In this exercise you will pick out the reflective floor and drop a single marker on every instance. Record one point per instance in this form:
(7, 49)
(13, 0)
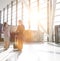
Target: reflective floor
(33, 52)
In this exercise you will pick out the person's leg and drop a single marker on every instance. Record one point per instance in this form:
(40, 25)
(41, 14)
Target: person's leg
(6, 44)
(20, 45)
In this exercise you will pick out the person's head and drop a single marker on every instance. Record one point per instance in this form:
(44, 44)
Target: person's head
(5, 24)
(20, 21)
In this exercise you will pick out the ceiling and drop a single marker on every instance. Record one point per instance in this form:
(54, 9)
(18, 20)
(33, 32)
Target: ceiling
(3, 3)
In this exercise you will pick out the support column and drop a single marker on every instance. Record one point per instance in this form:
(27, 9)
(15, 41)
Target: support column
(0, 25)
(51, 9)
(3, 14)
(29, 15)
(16, 11)
(48, 19)
(22, 11)
(11, 11)
(7, 13)
(0, 16)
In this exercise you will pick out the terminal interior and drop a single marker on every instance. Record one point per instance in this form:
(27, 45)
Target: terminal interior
(41, 19)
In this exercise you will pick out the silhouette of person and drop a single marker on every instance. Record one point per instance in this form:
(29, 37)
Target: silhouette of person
(20, 35)
(6, 32)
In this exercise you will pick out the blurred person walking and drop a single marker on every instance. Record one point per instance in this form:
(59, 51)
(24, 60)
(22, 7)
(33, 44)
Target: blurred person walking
(20, 35)
(6, 32)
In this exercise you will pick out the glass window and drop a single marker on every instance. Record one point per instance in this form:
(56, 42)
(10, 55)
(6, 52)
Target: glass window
(57, 18)
(9, 15)
(5, 20)
(2, 16)
(34, 15)
(26, 2)
(25, 17)
(43, 13)
(57, 14)
(58, 0)
(32, 1)
(58, 6)
(14, 2)
(34, 18)
(33, 4)
(43, 17)
(19, 12)
(19, 0)
(14, 15)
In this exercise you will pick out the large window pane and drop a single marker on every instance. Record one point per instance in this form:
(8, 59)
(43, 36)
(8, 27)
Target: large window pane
(43, 13)
(57, 14)
(32, 1)
(58, 0)
(56, 17)
(19, 12)
(34, 15)
(58, 6)
(9, 15)
(5, 20)
(34, 18)
(25, 17)
(2, 16)
(14, 15)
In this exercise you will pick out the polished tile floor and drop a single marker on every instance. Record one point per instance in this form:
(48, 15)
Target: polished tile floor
(33, 52)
